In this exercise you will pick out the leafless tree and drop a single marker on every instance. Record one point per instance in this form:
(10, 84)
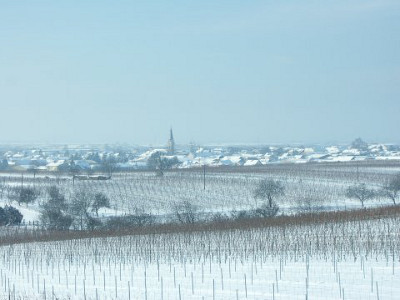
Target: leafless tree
(269, 189)
(25, 195)
(53, 212)
(159, 163)
(99, 200)
(81, 203)
(392, 189)
(360, 192)
(109, 165)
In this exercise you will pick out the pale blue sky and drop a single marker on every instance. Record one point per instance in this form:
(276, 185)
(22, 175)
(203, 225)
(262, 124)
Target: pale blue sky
(216, 71)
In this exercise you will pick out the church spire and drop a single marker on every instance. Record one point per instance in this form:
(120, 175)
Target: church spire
(171, 143)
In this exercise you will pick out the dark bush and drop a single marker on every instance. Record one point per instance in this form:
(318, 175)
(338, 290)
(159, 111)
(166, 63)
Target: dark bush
(130, 221)
(3, 217)
(266, 211)
(242, 214)
(14, 216)
(218, 217)
(185, 212)
(92, 223)
(56, 220)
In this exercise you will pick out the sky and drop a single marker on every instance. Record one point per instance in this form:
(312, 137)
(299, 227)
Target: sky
(226, 71)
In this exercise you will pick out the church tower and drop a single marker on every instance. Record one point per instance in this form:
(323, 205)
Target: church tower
(171, 143)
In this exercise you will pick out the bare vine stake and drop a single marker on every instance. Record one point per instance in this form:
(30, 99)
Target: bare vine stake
(145, 286)
(84, 289)
(306, 288)
(132, 273)
(202, 273)
(372, 280)
(393, 262)
(191, 275)
(116, 289)
(377, 291)
(222, 279)
(158, 271)
(245, 284)
(251, 273)
(213, 289)
(162, 289)
(273, 291)
(174, 279)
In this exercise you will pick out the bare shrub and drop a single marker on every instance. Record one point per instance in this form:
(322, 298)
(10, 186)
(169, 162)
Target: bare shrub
(185, 212)
(266, 211)
(138, 220)
(242, 214)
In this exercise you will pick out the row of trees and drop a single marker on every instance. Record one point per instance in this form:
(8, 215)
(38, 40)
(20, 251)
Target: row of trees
(83, 207)
(56, 213)
(269, 189)
(362, 193)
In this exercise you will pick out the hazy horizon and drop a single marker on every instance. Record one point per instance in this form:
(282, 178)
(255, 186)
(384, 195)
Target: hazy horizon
(217, 73)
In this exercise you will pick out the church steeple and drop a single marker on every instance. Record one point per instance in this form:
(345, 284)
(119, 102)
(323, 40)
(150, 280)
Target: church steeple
(171, 143)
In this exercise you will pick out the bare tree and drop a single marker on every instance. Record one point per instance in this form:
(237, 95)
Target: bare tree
(81, 203)
(269, 189)
(100, 200)
(26, 195)
(56, 198)
(159, 163)
(360, 192)
(308, 203)
(53, 212)
(109, 165)
(392, 189)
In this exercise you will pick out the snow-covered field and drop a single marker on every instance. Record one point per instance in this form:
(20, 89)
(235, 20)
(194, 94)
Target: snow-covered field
(333, 260)
(344, 260)
(307, 186)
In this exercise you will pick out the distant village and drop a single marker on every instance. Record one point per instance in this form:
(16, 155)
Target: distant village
(92, 159)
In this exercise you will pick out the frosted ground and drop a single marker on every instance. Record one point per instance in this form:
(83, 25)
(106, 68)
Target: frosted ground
(334, 260)
(307, 186)
(344, 260)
